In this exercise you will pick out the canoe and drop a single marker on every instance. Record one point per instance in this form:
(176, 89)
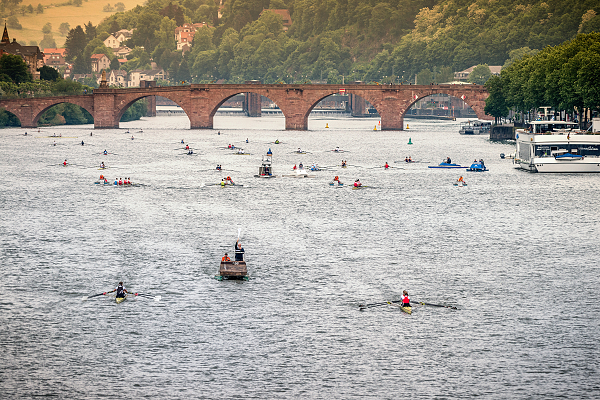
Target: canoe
(120, 299)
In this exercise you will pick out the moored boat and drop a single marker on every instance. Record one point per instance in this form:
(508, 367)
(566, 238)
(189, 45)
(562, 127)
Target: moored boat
(555, 146)
(475, 128)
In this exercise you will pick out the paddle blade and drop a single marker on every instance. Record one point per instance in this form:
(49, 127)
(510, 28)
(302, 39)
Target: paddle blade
(157, 298)
(239, 231)
(84, 298)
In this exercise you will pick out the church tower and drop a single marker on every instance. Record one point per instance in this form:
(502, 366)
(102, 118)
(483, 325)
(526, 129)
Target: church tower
(5, 38)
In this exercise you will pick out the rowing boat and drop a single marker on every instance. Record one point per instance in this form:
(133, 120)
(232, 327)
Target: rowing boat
(120, 299)
(407, 310)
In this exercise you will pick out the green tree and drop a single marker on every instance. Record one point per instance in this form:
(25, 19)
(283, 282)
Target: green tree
(120, 7)
(48, 42)
(480, 74)
(495, 104)
(424, 77)
(15, 68)
(48, 73)
(13, 23)
(64, 28)
(115, 64)
(30, 9)
(77, 3)
(47, 28)
(40, 9)
(75, 43)
(90, 31)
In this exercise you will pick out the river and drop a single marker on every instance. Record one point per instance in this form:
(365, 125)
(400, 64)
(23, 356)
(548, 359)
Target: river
(515, 252)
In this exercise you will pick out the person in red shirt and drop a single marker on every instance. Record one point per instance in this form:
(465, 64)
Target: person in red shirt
(120, 182)
(386, 166)
(405, 299)
(65, 163)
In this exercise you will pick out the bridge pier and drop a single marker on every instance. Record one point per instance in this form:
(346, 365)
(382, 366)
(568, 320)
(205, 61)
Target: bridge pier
(295, 122)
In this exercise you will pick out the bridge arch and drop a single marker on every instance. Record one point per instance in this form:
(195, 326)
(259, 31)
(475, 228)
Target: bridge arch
(42, 110)
(127, 101)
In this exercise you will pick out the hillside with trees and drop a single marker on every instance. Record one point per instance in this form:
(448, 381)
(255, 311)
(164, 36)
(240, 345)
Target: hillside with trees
(348, 40)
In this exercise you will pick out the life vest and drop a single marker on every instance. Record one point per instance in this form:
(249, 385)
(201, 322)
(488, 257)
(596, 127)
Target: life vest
(101, 176)
(225, 258)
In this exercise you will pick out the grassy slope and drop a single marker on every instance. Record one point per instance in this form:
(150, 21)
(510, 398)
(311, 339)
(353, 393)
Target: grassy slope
(90, 10)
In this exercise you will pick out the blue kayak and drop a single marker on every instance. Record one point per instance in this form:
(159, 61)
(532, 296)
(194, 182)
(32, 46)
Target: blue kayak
(445, 165)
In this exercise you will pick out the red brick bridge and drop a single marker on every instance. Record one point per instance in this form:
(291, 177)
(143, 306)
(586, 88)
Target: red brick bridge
(201, 101)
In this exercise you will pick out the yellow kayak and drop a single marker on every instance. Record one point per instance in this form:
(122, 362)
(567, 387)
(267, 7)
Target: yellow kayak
(120, 299)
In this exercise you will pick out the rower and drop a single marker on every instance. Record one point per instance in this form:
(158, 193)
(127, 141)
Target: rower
(187, 146)
(300, 166)
(299, 150)
(448, 160)
(406, 159)
(120, 291)
(101, 177)
(405, 299)
(102, 165)
(181, 141)
(386, 166)
(116, 182)
(218, 167)
(343, 164)
(120, 182)
(225, 258)
(65, 163)
(410, 159)
(294, 167)
(190, 151)
(357, 183)
(246, 140)
(131, 137)
(105, 181)
(82, 143)
(277, 141)
(269, 152)
(239, 251)
(105, 152)
(460, 179)
(337, 149)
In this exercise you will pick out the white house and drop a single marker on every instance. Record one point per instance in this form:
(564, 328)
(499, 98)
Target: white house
(117, 78)
(138, 75)
(112, 42)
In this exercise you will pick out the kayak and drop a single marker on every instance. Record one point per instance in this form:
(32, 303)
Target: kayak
(445, 165)
(120, 299)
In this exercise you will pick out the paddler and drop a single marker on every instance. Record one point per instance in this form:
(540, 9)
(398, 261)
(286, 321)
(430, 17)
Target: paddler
(225, 258)
(120, 291)
(239, 251)
(405, 299)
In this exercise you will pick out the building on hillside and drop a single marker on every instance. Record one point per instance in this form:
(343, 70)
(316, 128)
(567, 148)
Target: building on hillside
(185, 48)
(111, 42)
(138, 75)
(122, 61)
(285, 16)
(464, 75)
(55, 58)
(123, 35)
(32, 55)
(122, 51)
(117, 78)
(81, 77)
(100, 62)
(184, 34)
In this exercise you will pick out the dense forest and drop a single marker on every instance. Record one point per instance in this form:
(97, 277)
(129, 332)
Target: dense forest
(366, 40)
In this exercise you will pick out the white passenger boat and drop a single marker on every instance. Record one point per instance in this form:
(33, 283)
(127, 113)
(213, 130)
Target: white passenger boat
(475, 128)
(554, 146)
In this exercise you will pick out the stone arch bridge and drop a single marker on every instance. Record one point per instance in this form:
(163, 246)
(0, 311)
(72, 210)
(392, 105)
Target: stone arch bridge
(201, 101)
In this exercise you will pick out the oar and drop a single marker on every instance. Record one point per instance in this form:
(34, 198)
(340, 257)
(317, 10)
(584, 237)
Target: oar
(363, 306)
(436, 305)
(95, 295)
(156, 298)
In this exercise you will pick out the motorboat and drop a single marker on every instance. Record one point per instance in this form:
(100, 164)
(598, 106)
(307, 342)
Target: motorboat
(265, 170)
(556, 146)
(475, 128)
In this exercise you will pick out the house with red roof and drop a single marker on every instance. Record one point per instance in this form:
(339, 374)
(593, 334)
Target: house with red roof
(100, 62)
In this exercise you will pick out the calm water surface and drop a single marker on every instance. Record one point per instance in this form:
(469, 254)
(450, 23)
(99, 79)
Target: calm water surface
(515, 252)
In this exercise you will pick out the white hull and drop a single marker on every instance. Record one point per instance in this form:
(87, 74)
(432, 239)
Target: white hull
(550, 164)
